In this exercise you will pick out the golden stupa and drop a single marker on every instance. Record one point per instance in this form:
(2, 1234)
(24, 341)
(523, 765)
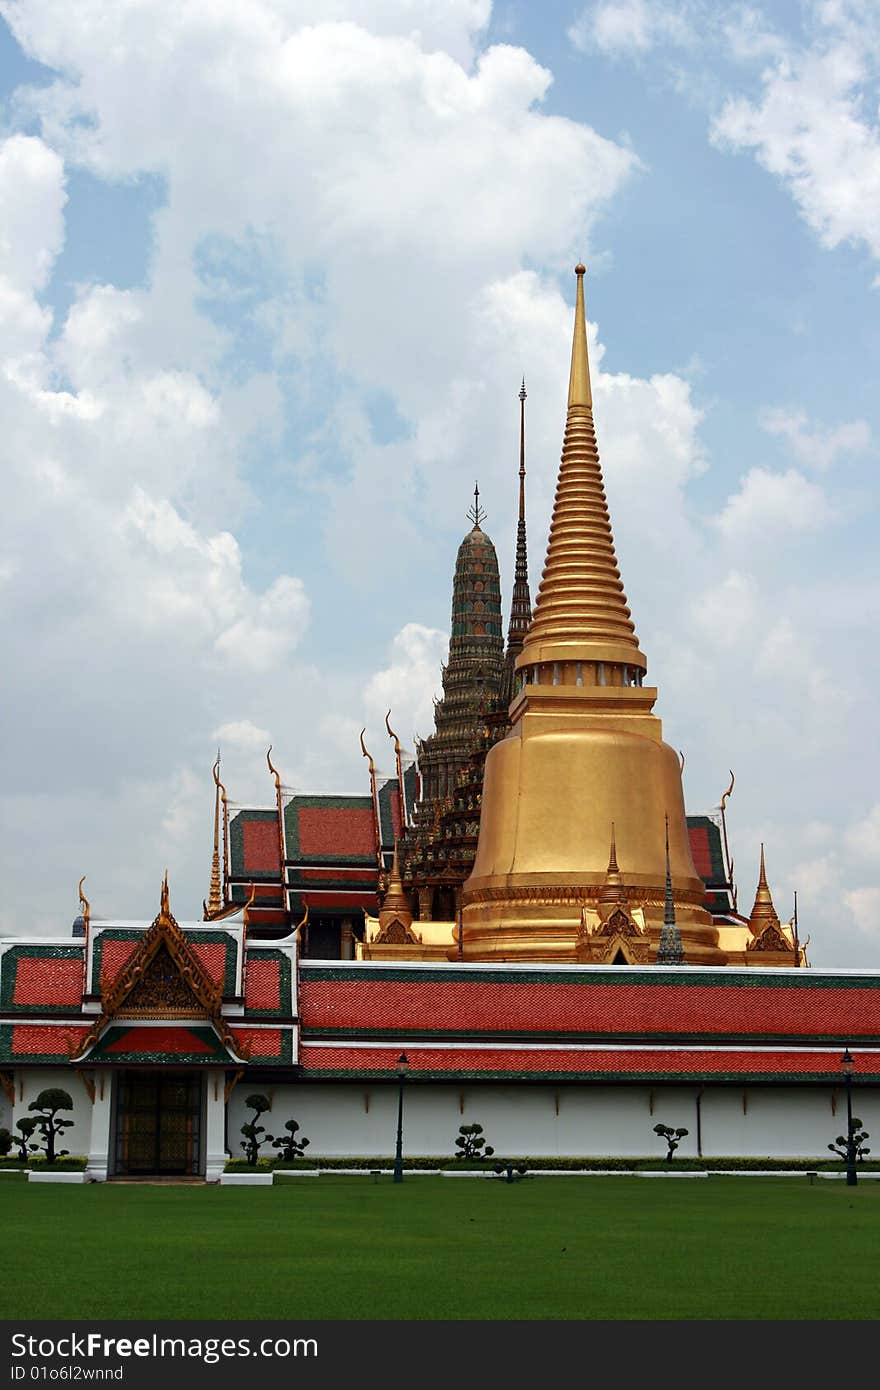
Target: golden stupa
(583, 851)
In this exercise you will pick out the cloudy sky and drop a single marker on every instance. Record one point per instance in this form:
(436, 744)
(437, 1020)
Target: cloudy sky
(270, 275)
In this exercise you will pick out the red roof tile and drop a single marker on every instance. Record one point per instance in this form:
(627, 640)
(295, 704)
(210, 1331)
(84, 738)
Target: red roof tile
(259, 1042)
(587, 1062)
(484, 1006)
(33, 1040)
(52, 980)
(263, 984)
(336, 830)
(260, 843)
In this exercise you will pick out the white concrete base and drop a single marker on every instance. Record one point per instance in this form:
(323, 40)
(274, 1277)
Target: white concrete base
(35, 1176)
(246, 1179)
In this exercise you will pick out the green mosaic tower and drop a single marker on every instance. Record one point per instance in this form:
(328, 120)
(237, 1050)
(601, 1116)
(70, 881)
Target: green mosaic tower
(473, 675)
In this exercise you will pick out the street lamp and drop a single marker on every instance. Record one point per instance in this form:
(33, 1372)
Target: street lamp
(847, 1066)
(402, 1070)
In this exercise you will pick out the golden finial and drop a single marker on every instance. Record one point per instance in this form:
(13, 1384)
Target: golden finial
(304, 923)
(246, 910)
(164, 897)
(224, 804)
(273, 770)
(215, 898)
(579, 389)
(727, 859)
(85, 906)
(612, 892)
(763, 910)
(401, 789)
(367, 755)
(375, 799)
(395, 904)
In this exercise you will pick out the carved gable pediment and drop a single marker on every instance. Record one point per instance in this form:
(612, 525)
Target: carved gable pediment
(396, 933)
(772, 938)
(161, 991)
(619, 924)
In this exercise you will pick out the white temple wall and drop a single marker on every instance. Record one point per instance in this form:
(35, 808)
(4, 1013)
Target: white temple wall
(31, 1081)
(361, 1120)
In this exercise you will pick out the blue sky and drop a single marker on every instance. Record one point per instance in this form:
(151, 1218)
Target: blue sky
(269, 278)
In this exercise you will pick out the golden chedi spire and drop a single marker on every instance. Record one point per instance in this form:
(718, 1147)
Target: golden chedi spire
(395, 904)
(763, 912)
(581, 611)
(585, 749)
(612, 892)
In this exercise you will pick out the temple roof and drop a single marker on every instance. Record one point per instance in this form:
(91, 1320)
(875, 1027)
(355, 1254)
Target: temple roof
(372, 1000)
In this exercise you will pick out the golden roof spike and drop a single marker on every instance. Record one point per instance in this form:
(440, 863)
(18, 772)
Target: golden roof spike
(164, 897)
(581, 613)
(374, 796)
(763, 910)
(395, 904)
(579, 389)
(612, 891)
(403, 813)
(225, 805)
(85, 906)
(215, 897)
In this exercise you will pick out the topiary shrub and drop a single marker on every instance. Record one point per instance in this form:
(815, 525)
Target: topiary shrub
(26, 1127)
(48, 1120)
(470, 1143)
(290, 1146)
(6, 1142)
(252, 1141)
(860, 1148)
(673, 1138)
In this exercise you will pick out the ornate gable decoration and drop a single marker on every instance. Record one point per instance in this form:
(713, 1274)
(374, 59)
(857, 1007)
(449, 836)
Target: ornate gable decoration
(772, 938)
(163, 978)
(397, 933)
(618, 935)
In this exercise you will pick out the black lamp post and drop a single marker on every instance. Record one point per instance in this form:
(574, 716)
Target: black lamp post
(847, 1066)
(402, 1070)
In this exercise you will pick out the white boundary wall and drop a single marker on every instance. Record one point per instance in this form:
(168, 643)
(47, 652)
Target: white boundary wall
(341, 1119)
(360, 1120)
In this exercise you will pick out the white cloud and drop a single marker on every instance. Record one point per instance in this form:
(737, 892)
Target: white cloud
(863, 838)
(864, 904)
(408, 684)
(817, 448)
(241, 733)
(814, 127)
(630, 27)
(773, 505)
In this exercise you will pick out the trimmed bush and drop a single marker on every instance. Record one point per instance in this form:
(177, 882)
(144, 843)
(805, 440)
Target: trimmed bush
(254, 1133)
(470, 1143)
(6, 1142)
(49, 1121)
(72, 1163)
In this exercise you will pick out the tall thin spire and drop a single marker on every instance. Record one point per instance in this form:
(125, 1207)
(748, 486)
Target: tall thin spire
(215, 897)
(670, 950)
(521, 603)
(763, 911)
(581, 613)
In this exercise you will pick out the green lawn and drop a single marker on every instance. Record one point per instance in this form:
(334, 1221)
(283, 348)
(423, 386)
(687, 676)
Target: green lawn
(346, 1247)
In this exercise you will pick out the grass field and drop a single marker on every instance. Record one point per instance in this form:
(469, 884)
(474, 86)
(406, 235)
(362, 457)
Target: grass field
(347, 1247)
